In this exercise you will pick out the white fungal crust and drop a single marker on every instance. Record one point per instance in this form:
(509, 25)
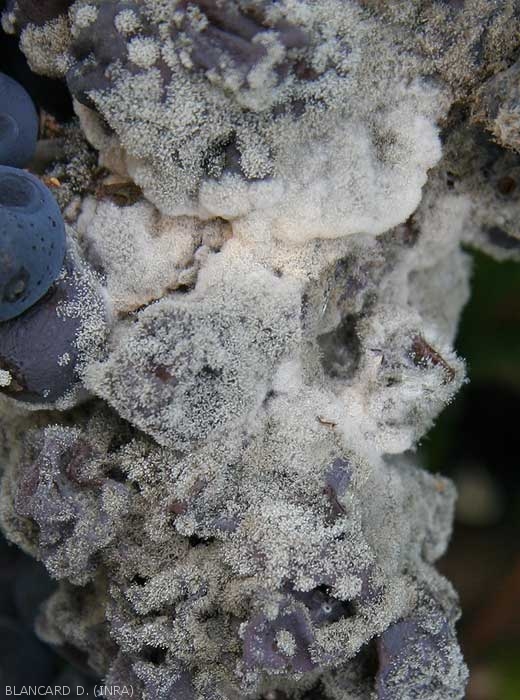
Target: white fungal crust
(147, 254)
(191, 365)
(268, 218)
(46, 47)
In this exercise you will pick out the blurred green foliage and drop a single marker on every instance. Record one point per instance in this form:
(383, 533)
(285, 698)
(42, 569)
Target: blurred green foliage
(481, 423)
(506, 667)
(489, 333)
(489, 340)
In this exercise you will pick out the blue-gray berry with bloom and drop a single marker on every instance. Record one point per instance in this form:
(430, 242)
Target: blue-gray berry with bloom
(32, 241)
(18, 124)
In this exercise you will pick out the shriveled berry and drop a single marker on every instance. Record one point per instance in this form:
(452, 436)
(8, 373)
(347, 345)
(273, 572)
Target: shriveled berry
(411, 656)
(18, 123)
(32, 241)
(228, 38)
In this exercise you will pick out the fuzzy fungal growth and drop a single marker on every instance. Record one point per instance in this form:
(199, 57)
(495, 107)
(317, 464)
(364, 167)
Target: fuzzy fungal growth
(210, 412)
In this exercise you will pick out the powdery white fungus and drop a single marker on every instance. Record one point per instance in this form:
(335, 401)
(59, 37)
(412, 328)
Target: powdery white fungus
(46, 47)
(127, 22)
(5, 378)
(85, 16)
(146, 254)
(143, 52)
(351, 178)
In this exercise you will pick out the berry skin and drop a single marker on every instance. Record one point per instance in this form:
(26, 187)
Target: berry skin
(36, 11)
(260, 649)
(18, 124)
(38, 348)
(414, 658)
(32, 241)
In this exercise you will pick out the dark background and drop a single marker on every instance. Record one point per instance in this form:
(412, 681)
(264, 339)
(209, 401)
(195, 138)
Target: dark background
(476, 442)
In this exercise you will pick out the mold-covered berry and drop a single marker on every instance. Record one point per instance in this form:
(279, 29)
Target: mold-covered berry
(32, 241)
(18, 123)
(231, 36)
(102, 41)
(53, 494)
(419, 653)
(259, 528)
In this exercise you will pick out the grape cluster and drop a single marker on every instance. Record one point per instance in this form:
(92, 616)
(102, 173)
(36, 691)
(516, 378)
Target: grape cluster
(39, 276)
(32, 232)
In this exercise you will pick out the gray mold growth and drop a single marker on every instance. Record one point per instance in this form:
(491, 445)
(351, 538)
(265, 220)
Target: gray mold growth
(268, 202)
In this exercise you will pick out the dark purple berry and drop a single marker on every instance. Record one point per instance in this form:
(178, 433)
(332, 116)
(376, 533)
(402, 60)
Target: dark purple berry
(263, 648)
(415, 660)
(37, 11)
(32, 241)
(18, 124)
(39, 349)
